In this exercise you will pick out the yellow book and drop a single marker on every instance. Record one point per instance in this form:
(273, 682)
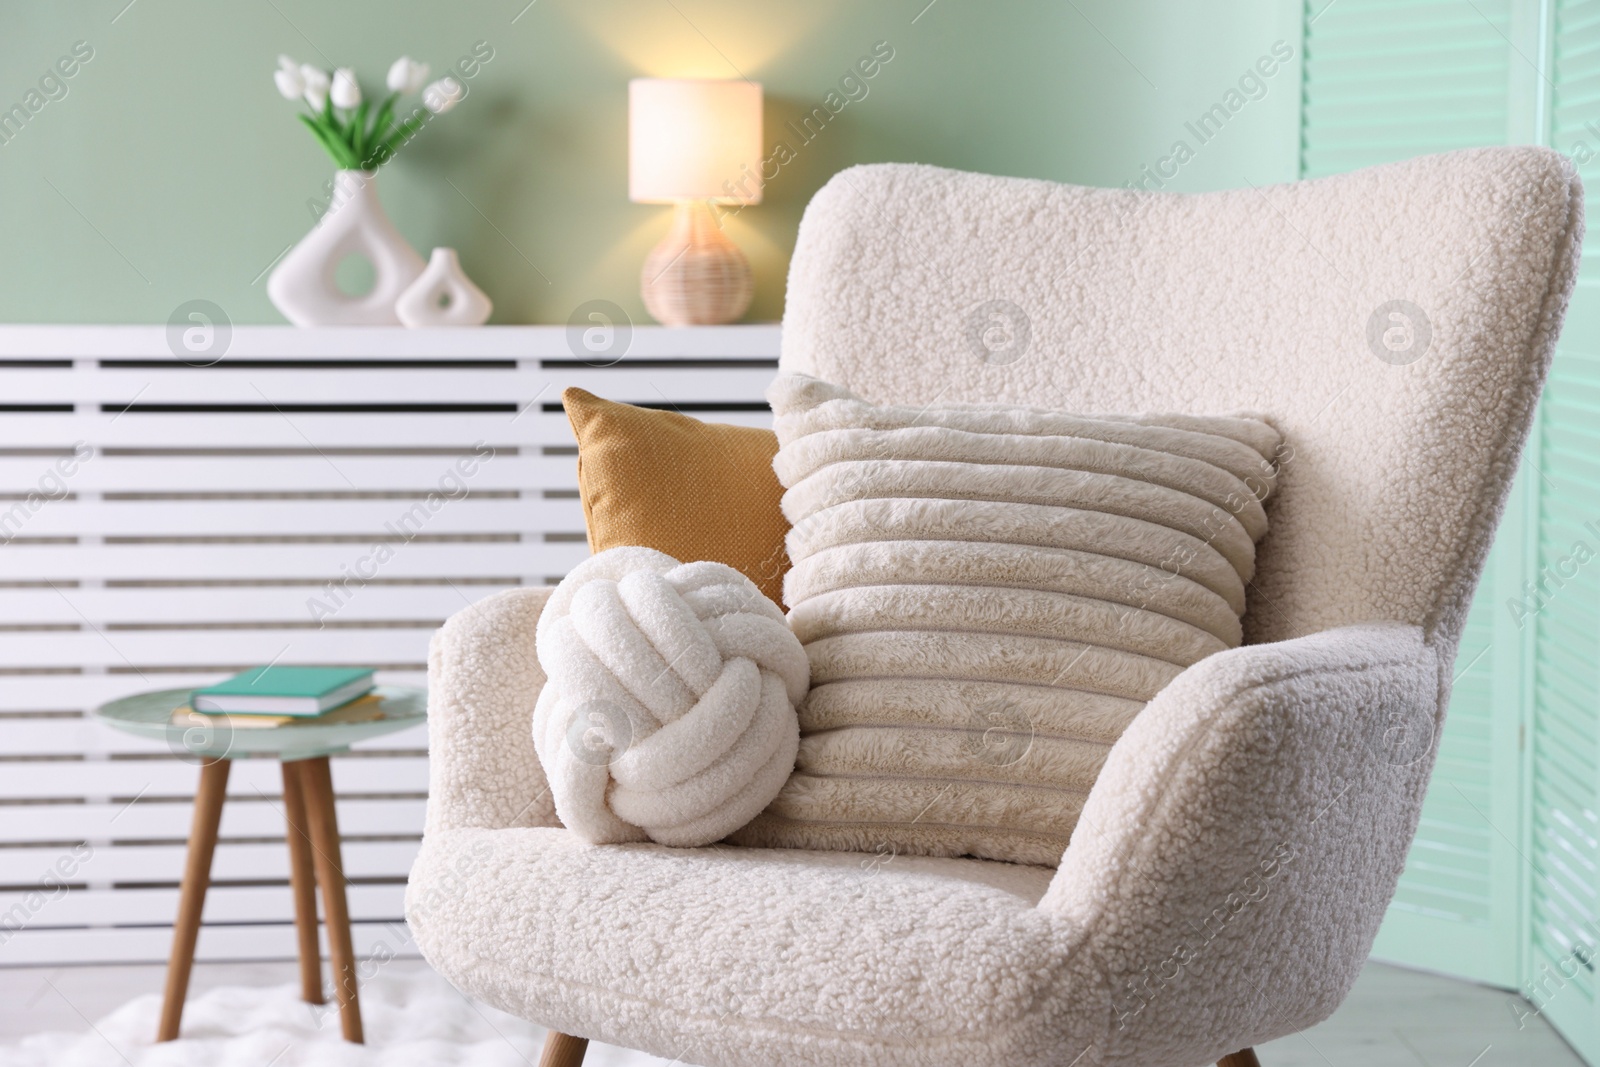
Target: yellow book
(362, 709)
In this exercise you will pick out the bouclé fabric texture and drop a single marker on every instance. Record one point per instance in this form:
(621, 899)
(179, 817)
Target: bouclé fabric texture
(1233, 861)
(668, 713)
(988, 594)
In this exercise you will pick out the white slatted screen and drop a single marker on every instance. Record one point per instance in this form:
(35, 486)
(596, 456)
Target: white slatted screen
(164, 525)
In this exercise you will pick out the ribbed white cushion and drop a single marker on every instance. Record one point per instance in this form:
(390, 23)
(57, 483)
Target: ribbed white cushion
(988, 594)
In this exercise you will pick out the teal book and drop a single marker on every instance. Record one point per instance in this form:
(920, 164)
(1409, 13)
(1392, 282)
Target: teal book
(284, 690)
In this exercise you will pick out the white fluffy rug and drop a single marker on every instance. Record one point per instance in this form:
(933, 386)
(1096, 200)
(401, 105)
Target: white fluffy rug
(412, 1020)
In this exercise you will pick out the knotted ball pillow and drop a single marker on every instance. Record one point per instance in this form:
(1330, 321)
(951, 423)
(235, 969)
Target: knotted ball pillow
(669, 713)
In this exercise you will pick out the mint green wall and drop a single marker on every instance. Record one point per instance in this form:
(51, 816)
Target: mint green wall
(172, 170)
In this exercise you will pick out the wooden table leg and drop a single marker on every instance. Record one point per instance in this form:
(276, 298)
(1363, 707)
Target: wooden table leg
(303, 883)
(192, 898)
(317, 783)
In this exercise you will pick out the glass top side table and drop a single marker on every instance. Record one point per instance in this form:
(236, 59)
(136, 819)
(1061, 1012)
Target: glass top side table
(312, 828)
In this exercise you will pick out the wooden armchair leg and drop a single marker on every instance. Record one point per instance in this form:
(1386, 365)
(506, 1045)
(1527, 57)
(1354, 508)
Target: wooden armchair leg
(563, 1050)
(1242, 1058)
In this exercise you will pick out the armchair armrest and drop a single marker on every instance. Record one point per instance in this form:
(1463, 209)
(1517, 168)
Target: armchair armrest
(1236, 856)
(483, 680)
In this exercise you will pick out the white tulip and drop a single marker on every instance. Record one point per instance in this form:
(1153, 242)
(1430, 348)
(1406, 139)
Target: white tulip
(443, 95)
(288, 63)
(290, 84)
(407, 75)
(346, 93)
(316, 83)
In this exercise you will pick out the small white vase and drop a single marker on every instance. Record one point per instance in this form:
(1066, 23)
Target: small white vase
(303, 287)
(443, 295)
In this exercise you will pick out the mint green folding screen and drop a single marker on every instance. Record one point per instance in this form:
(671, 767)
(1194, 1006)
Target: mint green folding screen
(1503, 882)
(1562, 791)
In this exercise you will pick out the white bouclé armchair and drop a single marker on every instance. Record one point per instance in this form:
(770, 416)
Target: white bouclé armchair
(1233, 862)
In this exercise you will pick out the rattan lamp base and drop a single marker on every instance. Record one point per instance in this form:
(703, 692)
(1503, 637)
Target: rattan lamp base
(696, 276)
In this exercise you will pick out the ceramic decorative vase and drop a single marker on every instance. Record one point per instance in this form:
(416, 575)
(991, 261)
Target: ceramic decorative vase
(302, 286)
(443, 295)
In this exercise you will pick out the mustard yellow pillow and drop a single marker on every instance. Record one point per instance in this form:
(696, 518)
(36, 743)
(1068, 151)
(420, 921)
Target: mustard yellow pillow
(694, 490)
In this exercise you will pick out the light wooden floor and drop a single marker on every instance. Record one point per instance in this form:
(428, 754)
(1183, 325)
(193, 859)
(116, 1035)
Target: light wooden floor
(1394, 1018)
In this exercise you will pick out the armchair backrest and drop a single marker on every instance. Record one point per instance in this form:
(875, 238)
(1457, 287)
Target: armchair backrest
(1396, 324)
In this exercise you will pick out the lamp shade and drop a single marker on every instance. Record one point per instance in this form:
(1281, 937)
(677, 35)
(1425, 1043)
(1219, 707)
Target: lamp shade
(694, 139)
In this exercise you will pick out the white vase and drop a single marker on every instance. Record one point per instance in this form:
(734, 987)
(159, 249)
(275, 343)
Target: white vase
(303, 287)
(443, 295)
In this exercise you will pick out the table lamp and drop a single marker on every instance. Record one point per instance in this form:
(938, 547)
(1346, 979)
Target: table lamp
(694, 142)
